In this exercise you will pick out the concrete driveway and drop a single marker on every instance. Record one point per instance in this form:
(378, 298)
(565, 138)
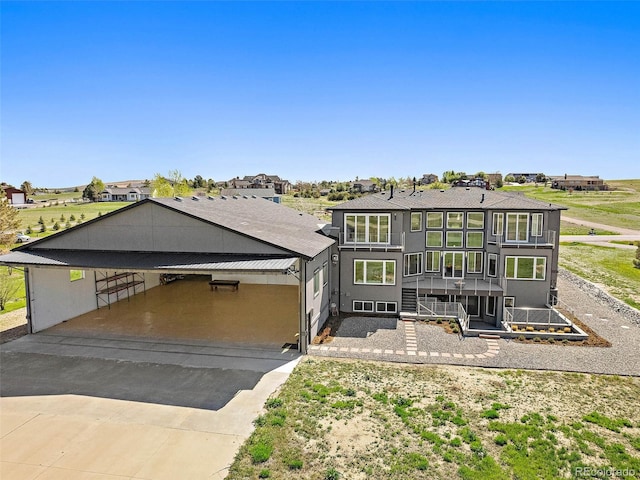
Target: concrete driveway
(107, 408)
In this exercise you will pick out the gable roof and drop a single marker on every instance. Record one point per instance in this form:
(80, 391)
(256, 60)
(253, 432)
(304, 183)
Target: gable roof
(432, 199)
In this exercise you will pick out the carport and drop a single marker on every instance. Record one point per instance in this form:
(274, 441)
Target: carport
(85, 281)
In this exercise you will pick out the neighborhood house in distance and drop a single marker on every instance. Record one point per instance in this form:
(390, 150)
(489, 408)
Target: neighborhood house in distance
(480, 256)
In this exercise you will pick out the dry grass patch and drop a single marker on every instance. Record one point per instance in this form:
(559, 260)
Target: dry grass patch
(359, 420)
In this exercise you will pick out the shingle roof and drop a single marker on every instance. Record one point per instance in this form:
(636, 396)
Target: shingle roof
(474, 198)
(258, 218)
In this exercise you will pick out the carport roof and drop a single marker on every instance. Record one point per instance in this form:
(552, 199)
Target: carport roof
(163, 261)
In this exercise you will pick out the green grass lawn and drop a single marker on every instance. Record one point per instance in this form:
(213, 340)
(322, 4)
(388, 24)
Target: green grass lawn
(354, 419)
(618, 208)
(610, 267)
(13, 282)
(567, 228)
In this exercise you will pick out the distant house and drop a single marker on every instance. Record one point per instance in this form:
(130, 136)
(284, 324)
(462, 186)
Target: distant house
(473, 182)
(528, 177)
(262, 180)
(578, 182)
(494, 178)
(124, 194)
(428, 179)
(266, 193)
(15, 196)
(364, 186)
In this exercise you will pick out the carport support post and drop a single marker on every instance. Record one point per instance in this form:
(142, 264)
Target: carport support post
(304, 323)
(28, 299)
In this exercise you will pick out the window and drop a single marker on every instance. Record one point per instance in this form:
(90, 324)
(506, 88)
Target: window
(316, 282)
(367, 228)
(474, 262)
(416, 221)
(362, 306)
(434, 239)
(374, 272)
(475, 220)
(497, 227)
(525, 268)
(433, 262)
(76, 275)
(434, 220)
(454, 239)
(517, 227)
(325, 273)
(455, 219)
(412, 264)
(386, 307)
(509, 302)
(536, 224)
(475, 239)
(492, 269)
(453, 264)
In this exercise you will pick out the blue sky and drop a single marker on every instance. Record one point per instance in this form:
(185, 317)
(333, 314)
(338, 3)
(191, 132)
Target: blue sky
(311, 91)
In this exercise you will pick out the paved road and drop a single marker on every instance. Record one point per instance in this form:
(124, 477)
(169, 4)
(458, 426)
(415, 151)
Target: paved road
(625, 235)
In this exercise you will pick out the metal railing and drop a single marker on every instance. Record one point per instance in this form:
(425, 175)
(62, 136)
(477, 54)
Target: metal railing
(548, 238)
(395, 241)
(444, 309)
(491, 284)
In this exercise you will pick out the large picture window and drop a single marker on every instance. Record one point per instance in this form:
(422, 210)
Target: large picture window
(475, 220)
(367, 228)
(453, 264)
(517, 227)
(525, 268)
(474, 262)
(455, 220)
(374, 272)
(416, 221)
(432, 263)
(434, 220)
(434, 239)
(412, 264)
(454, 239)
(475, 239)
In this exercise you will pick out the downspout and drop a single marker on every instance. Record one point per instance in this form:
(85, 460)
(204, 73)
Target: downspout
(304, 321)
(27, 288)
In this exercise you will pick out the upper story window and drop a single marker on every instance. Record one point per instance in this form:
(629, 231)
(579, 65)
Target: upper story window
(371, 228)
(517, 227)
(455, 220)
(525, 268)
(374, 272)
(497, 227)
(412, 264)
(434, 239)
(434, 220)
(475, 220)
(536, 224)
(416, 221)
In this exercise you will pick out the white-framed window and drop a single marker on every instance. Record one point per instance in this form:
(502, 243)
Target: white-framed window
(509, 302)
(517, 227)
(474, 262)
(525, 268)
(536, 224)
(475, 239)
(492, 265)
(475, 220)
(497, 227)
(432, 263)
(362, 306)
(367, 228)
(374, 272)
(386, 307)
(75, 275)
(454, 239)
(453, 265)
(455, 220)
(434, 220)
(491, 306)
(325, 273)
(434, 239)
(416, 221)
(412, 264)
(316, 282)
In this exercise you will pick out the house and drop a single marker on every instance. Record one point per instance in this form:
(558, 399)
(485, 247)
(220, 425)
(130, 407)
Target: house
(472, 182)
(113, 193)
(528, 177)
(578, 182)
(364, 186)
(280, 186)
(274, 259)
(428, 179)
(480, 249)
(495, 179)
(266, 193)
(15, 196)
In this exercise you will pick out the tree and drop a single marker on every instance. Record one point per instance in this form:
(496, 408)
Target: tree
(9, 221)
(99, 184)
(27, 187)
(174, 185)
(541, 178)
(8, 289)
(636, 261)
(93, 190)
(509, 179)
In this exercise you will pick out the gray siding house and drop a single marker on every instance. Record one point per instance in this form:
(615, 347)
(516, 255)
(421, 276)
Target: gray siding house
(482, 249)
